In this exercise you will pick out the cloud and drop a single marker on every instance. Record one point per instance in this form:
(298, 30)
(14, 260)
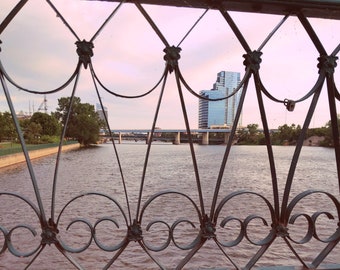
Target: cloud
(39, 51)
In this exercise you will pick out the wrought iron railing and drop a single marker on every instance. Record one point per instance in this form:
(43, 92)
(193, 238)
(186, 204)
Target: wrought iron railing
(206, 221)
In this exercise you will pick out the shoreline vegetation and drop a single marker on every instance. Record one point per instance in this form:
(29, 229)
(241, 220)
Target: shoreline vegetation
(12, 156)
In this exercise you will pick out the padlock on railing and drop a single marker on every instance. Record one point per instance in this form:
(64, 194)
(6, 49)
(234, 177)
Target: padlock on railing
(290, 104)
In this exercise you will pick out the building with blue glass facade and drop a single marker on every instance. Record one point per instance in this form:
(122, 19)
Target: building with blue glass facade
(102, 113)
(220, 113)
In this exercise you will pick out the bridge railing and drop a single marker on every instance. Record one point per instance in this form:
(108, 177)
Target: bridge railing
(206, 220)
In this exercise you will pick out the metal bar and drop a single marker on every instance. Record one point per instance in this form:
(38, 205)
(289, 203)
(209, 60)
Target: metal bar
(146, 160)
(11, 15)
(107, 20)
(269, 146)
(334, 122)
(228, 148)
(152, 24)
(113, 144)
(42, 216)
(63, 19)
(62, 136)
(296, 155)
(236, 31)
(312, 34)
(272, 33)
(205, 12)
(191, 144)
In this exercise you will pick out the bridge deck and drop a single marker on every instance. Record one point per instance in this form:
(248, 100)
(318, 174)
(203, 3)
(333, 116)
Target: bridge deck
(329, 9)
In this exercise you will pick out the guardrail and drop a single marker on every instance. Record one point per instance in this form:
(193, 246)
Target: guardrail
(209, 223)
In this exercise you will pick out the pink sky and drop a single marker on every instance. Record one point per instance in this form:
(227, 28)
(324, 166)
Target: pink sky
(38, 51)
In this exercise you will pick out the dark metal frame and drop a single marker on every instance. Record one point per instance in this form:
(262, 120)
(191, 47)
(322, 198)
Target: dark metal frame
(281, 215)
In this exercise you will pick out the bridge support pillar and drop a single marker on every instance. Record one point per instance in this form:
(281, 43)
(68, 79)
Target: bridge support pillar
(119, 137)
(226, 137)
(205, 138)
(177, 140)
(148, 137)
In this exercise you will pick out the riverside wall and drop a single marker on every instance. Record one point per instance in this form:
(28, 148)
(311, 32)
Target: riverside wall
(13, 159)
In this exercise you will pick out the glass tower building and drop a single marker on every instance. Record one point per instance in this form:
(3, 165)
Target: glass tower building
(220, 113)
(101, 112)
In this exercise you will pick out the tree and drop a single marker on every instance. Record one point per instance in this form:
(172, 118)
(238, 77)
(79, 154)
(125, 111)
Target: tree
(84, 122)
(7, 129)
(251, 135)
(329, 141)
(49, 124)
(286, 134)
(33, 133)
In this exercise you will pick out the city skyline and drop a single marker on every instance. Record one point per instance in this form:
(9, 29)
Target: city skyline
(38, 52)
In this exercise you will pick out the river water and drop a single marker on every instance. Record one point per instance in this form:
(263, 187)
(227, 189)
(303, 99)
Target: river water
(169, 168)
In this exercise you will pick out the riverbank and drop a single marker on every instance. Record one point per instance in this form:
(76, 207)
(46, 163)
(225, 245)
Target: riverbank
(17, 158)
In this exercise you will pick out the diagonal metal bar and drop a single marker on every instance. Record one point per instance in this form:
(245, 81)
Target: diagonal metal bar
(272, 33)
(295, 253)
(192, 252)
(63, 19)
(117, 254)
(62, 136)
(296, 154)
(320, 258)
(336, 50)
(107, 20)
(312, 34)
(334, 122)
(225, 254)
(35, 257)
(268, 145)
(42, 216)
(146, 160)
(191, 144)
(11, 15)
(113, 144)
(228, 148)
(69, 257)
(257, 256)
(235, 29)
(205, 12)
(152, 257)
(152, 24)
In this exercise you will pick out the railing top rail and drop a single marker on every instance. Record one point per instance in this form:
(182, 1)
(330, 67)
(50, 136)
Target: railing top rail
(328, 9)
(169, 130)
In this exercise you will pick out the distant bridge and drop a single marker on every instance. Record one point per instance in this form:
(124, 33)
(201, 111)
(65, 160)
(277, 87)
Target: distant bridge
(177, 133)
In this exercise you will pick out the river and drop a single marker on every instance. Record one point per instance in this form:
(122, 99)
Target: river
(169, 168)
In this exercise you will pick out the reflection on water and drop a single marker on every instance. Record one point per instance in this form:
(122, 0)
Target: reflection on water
(169, 168)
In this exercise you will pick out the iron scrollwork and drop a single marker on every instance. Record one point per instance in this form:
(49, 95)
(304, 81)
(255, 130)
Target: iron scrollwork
(154, 232)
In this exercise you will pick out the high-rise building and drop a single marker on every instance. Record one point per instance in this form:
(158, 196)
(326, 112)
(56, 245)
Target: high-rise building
(101, 113)
(220, 113)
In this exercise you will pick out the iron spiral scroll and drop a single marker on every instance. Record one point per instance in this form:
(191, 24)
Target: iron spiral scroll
(193, 226)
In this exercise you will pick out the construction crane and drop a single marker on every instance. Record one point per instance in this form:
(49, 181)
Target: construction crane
(43, 105)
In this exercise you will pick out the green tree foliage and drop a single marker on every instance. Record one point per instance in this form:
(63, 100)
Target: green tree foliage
(7, 129)
(84, 123)
(329, 141)
(251, 135)
(286, 134)
(32, 133)
(40, 128)
(49, 124)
